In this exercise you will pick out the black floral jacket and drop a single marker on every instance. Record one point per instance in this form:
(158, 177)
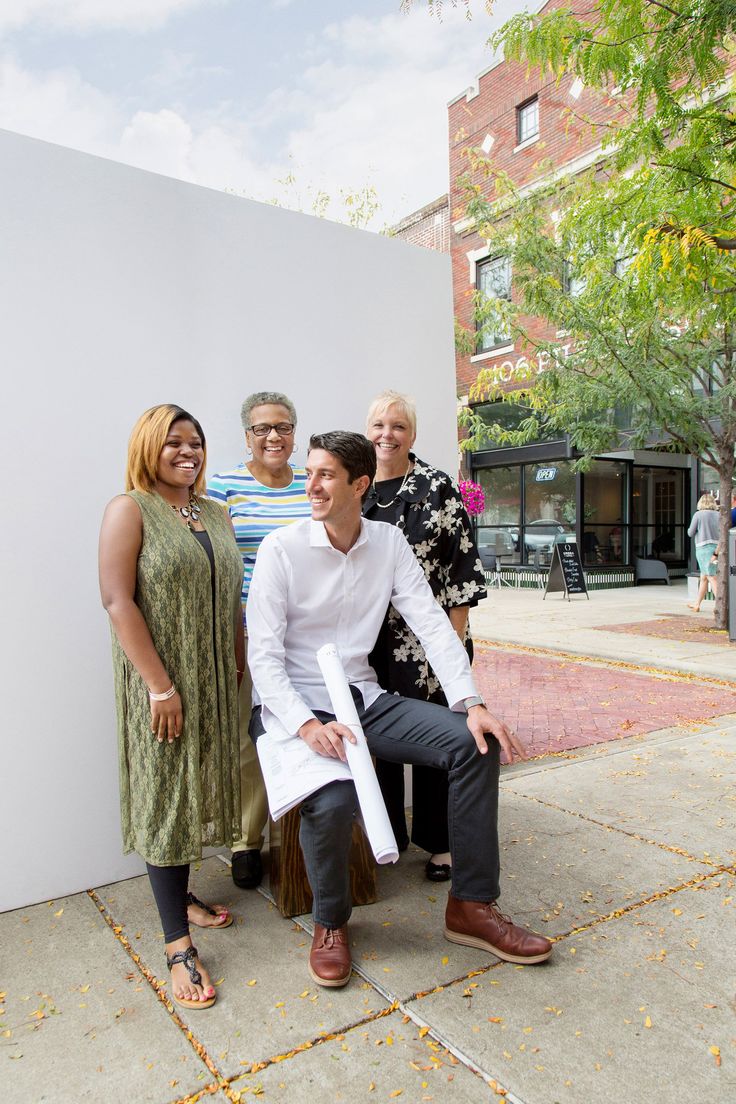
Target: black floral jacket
(430, 513)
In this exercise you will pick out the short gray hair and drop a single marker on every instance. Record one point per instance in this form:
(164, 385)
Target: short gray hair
(262, 398)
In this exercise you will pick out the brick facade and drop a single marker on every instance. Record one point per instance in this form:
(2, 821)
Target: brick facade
(565, 144)
(428, 227)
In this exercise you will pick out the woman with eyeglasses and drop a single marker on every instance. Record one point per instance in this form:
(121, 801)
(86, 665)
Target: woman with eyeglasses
(263, 493)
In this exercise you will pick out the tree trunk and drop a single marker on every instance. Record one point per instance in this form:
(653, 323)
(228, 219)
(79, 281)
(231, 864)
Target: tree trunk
(725, 473)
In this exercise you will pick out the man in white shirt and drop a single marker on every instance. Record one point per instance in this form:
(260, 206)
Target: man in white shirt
(330, 580)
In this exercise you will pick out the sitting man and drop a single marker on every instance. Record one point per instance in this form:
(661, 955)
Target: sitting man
(329, 579)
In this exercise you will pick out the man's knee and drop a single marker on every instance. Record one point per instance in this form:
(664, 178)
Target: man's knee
(333, 805)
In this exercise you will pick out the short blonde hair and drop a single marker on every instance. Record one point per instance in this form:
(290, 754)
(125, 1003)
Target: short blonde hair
(148, 439)
(382, 402)
(707, 502)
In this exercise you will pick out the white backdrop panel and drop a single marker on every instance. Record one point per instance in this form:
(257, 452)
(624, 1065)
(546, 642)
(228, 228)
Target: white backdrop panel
(120, 289)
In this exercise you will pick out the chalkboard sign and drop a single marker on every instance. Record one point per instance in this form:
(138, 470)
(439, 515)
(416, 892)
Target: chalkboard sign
(566, 572)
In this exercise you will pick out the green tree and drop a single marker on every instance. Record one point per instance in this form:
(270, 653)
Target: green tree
(636, 259)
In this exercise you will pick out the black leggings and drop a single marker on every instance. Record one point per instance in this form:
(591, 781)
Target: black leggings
(169, 885)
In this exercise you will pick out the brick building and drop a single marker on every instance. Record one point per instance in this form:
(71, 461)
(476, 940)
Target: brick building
(630, 505)
(428, 227)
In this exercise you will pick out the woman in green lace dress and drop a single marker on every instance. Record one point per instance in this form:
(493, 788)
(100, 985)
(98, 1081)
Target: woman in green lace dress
(170, 577)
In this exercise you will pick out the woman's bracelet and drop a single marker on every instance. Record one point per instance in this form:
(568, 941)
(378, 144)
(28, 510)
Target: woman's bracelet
(163, 697)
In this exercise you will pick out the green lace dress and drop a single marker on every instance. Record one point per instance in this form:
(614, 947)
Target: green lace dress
(177, 798)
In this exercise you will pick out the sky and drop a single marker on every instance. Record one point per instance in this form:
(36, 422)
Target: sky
(271, 99)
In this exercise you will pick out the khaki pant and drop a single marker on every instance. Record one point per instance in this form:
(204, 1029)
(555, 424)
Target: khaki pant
(254, 803)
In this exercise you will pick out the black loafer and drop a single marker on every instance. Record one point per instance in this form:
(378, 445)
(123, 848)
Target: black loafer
(247, 869)
(438, 872)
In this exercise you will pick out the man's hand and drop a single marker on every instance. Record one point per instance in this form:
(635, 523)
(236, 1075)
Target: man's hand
(481, 721)
(327, 739)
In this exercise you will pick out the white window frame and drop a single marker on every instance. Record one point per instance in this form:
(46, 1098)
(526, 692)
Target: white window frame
(501, 340)
(524, 136)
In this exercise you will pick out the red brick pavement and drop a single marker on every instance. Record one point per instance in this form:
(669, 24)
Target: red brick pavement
(556, 705)
(698, 629)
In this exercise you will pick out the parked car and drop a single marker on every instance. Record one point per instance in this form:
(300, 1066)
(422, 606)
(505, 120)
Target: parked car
(502, 542)
(541, 535)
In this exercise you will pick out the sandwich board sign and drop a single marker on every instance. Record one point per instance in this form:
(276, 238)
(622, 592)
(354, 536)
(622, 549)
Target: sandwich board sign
(566, 572)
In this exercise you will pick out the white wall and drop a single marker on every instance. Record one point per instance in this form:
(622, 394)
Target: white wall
(120, 289)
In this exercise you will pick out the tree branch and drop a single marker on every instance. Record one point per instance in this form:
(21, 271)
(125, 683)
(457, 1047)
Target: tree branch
(693, 172)
(720, 242)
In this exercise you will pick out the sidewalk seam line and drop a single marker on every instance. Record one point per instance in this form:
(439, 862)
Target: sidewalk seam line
(660, 895)
(198, 1047)
(667, 674)
(396, 1004)
(614, 828)
(617, 745)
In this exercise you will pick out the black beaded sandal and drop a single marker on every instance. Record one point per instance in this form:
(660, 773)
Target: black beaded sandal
(192, 900)
(187, 958)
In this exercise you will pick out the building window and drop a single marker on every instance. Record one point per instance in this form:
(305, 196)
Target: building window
(493, 281)
(605, 513)
(527, 120)
(658, 514)
(509, 416)
(573, 283)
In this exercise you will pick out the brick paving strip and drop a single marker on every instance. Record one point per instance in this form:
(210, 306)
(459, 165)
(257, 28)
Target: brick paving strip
(557, 704)
(686, 629)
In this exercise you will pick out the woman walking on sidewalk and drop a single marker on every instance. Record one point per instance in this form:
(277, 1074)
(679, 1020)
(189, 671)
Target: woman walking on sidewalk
(704, 527)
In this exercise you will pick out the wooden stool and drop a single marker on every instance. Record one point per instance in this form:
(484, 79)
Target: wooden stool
(288, 876)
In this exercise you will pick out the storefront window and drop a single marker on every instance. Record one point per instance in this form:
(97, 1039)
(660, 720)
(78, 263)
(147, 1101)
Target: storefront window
(498, 525)
(605, 521)
(658, 520)
(549, 508)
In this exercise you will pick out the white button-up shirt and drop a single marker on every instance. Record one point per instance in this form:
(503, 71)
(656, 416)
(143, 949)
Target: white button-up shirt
(305, 593)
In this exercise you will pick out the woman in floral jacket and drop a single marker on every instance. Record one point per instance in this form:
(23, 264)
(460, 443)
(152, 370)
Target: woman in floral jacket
(426, 505)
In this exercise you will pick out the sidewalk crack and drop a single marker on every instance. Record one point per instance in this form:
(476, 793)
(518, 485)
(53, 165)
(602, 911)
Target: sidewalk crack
(614, 828)
(220, 1082)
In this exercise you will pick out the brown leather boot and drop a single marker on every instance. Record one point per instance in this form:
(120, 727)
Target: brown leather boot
(474, 924)
(329, 959)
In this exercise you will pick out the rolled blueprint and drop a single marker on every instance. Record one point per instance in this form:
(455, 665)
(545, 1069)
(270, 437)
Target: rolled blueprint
(373, 810)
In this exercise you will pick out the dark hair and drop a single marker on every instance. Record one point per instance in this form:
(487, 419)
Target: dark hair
(185, 416)
(354, 451)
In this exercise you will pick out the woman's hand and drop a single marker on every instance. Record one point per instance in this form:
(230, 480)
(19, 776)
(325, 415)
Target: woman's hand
(167, 719)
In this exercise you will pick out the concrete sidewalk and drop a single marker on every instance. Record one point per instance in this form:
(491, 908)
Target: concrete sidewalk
(623, 854)
(522, 617)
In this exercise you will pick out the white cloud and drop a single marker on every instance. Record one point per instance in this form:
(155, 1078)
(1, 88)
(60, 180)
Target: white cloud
(369, 109)
(139, 15)
(57, 106)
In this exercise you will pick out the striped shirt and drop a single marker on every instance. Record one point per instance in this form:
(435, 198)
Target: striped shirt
(257, 510)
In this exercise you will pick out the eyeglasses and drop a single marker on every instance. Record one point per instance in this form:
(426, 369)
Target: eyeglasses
(282, 428)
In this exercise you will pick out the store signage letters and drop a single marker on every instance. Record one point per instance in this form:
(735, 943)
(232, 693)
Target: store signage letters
(545, 475)
(513, 371)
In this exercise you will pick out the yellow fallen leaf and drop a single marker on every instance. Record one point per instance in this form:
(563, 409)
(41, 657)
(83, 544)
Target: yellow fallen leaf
(648, 1022)
(59, 912)
(396, 1092)
(677, 912)
(445, 960)
(253, 982)
(84, 989)
(423, 1031)
(372, 1087)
